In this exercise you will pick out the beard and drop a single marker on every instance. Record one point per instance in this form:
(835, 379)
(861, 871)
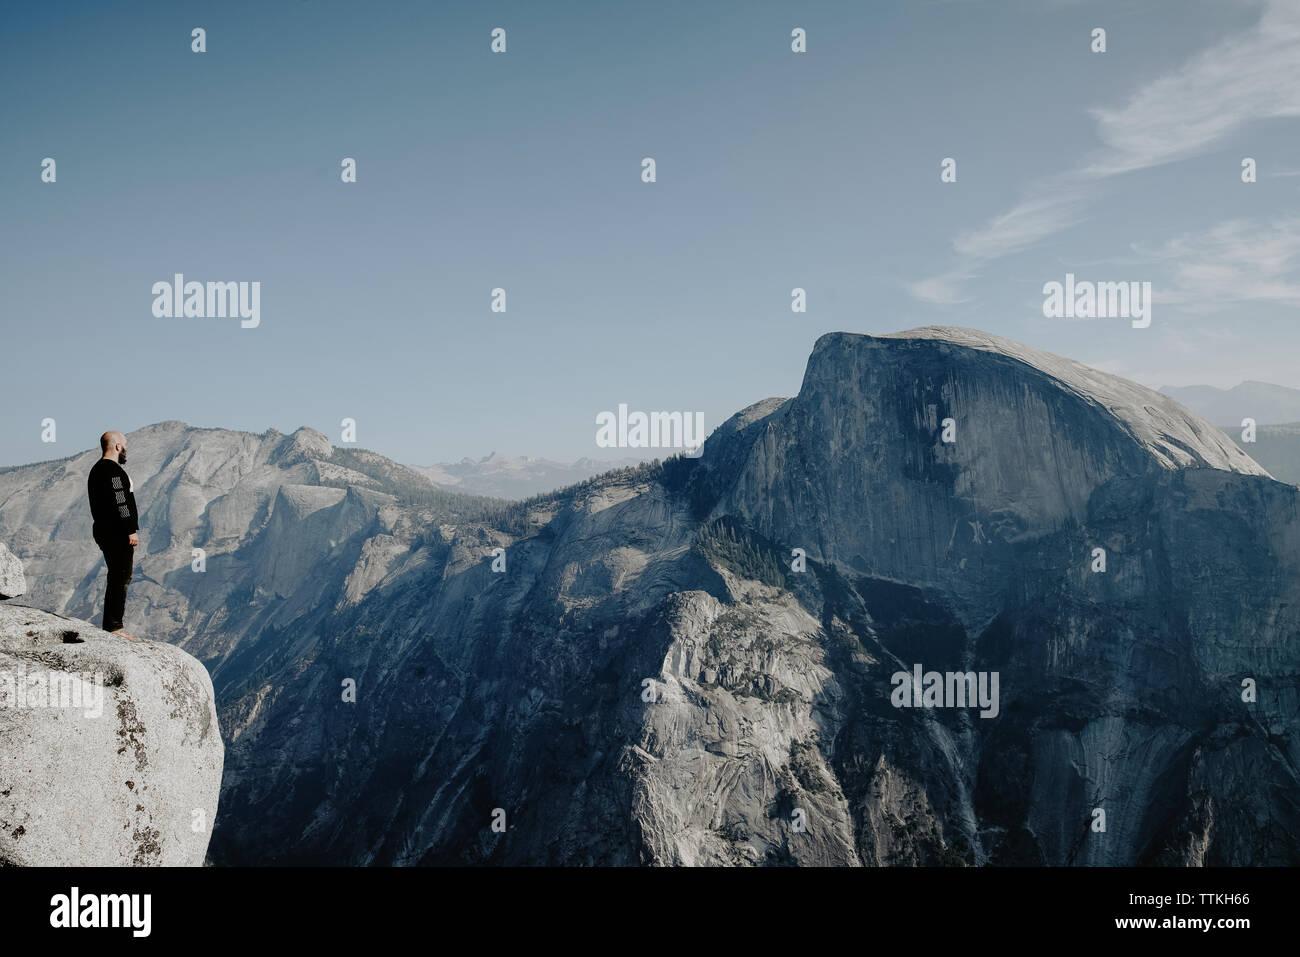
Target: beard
(121, 458)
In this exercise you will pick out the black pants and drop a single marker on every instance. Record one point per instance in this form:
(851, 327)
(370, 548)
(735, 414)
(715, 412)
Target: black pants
(119, 556)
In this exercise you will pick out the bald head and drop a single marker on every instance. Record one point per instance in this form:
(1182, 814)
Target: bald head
(113, 445)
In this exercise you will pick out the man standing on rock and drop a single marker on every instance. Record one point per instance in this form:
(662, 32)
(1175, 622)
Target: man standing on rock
(112, 506)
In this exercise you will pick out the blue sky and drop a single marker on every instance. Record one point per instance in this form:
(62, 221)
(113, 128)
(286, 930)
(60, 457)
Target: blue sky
(522, 170)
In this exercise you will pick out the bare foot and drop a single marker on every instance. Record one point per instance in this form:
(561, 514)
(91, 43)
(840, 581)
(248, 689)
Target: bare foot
(123, 633)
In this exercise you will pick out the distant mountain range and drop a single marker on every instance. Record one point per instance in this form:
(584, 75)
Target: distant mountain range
(1275, 409)
(508, 477)
(1265, 403)
(1276, 447)
(699, 661)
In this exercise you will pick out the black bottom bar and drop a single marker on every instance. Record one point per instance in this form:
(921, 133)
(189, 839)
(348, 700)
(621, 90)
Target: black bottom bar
(332, 906)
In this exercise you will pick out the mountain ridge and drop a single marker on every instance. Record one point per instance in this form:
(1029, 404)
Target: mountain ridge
(1265, 402)
(525, 689)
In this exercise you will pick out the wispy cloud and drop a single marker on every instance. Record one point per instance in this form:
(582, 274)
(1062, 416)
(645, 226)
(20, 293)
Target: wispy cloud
(944, 290)
(1235, 262)
(1245, 78)
(1051, 207)
(1240, 80)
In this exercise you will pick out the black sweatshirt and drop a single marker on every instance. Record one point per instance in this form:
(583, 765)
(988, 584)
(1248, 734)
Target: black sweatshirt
(112, 504)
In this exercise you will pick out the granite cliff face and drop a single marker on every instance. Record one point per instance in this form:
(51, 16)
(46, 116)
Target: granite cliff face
(654, 677)
(110, 753)
(856, 471)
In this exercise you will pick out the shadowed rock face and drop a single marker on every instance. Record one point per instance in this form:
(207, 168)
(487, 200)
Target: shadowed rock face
(855, 471)
(110, 754)
(649, 681)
